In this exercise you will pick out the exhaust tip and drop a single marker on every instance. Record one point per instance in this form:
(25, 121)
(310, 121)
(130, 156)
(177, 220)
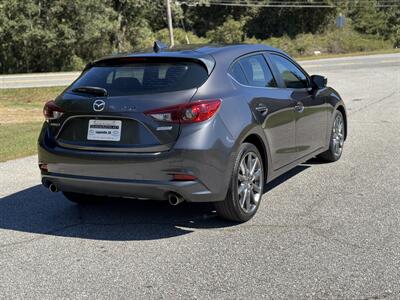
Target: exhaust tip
(53, 188)
(175, 199)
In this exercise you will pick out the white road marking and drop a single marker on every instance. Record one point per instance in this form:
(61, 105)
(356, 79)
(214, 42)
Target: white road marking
(347, 64)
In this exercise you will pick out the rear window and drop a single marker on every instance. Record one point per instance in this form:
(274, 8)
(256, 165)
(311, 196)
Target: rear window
(144, 78)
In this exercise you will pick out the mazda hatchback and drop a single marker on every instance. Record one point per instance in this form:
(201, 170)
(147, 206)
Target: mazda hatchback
(209, 124)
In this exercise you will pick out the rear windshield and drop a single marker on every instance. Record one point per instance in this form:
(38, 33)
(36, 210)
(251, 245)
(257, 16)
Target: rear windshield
(144, 78)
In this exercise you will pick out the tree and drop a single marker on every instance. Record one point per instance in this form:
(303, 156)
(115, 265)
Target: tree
(42, 36)
(276, 22)
(228, 33)
(202, 18)
(366, 18)
(54, 35)
(393, 25)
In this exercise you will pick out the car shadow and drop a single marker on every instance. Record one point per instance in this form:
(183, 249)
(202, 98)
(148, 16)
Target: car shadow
(315, 161)
(36, 210)
(281, 179)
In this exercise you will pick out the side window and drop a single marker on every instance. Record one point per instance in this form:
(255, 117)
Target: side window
(237, 73)
(257, 71)
(291, 75)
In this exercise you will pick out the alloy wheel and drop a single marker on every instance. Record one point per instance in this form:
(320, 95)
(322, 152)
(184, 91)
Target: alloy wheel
(338, 135)
(249, 182)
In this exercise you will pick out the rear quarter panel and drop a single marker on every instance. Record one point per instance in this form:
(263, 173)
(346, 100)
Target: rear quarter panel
(236, 118)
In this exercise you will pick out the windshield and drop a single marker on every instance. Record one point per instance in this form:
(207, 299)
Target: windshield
(143, 78)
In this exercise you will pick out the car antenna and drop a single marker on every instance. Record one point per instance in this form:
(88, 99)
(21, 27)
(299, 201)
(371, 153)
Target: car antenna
(158, 46)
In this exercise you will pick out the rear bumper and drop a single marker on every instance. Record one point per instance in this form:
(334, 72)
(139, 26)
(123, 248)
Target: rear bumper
(137, 175)
(191, 191)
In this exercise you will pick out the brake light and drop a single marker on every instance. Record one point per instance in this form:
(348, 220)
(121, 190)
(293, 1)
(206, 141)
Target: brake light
(194, 112)
(52, 111)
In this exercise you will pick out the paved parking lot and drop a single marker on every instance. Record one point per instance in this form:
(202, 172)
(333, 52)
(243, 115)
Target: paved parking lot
(322, 231)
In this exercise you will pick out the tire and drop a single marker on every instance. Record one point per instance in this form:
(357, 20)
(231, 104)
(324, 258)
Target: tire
(336, 141)
(82, 198)
(246, 188)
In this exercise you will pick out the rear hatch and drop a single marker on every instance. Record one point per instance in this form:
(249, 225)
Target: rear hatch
(105, 108)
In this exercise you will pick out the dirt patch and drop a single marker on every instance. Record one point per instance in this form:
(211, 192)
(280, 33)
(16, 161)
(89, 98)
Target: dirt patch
(20, 115)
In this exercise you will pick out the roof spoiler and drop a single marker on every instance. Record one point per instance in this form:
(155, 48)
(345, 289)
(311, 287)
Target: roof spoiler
(207, 60)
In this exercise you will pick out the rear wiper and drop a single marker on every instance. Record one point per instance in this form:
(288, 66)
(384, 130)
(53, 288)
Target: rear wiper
(94, 90)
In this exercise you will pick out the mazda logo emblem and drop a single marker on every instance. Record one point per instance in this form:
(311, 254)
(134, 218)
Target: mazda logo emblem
(99, 105)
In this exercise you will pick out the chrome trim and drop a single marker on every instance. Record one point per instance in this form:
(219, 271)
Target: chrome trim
(251, 86)
(99, 105)
(262, 109)
(164, 128)
(299, 107)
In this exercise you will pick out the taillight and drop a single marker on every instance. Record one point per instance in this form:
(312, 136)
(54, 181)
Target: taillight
(194, 112)
(52, 111)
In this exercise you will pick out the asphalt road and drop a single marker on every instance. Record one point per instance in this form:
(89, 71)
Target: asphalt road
(322, 231)
(37, 80)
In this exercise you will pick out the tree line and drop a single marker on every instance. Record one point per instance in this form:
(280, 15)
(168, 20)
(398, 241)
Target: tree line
(59, 35)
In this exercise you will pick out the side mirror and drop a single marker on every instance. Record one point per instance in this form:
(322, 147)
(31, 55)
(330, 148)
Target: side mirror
(318, 81)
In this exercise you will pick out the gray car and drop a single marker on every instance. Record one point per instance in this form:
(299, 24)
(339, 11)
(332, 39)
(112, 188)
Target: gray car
(208, 124)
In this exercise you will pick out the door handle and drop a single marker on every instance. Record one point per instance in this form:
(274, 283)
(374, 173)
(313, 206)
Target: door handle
(299, 107)
(262, 109)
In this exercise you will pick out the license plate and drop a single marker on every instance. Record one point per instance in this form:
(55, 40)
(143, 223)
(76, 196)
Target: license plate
(104, 130)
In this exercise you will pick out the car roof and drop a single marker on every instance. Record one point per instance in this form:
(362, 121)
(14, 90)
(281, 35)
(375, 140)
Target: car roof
(207, 54)
(236, 49)
(198, 51)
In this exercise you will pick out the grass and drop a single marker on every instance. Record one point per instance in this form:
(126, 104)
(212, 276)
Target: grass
(27, 98)
(18, 140)
(21, 119)
(25, 104)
